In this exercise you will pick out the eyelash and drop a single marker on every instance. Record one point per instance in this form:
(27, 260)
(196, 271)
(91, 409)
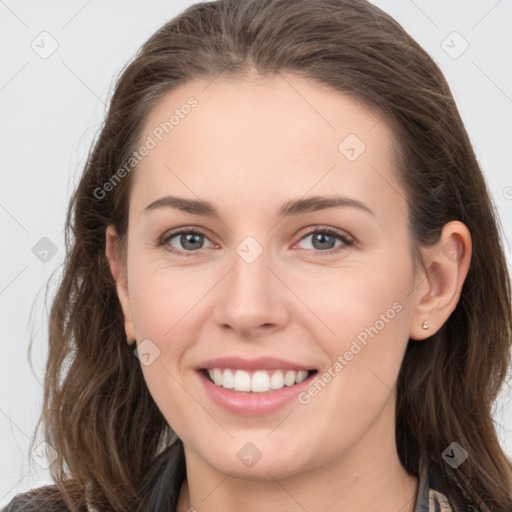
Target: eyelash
(347, 242)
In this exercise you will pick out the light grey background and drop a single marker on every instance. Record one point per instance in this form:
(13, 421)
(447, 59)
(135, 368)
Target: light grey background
(52, 107)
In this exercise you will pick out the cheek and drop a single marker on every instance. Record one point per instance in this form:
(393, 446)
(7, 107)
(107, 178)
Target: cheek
(360, 304)
(161, 317)
(165, 304)
(369, 313)
(162, 300)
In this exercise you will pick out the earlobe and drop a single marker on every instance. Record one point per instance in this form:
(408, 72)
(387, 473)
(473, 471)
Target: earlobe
(446, 264)
(119, 275)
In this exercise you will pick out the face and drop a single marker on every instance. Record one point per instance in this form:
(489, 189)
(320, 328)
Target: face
(271, 321)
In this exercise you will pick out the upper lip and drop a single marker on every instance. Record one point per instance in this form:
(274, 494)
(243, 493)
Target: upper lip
(259, 363)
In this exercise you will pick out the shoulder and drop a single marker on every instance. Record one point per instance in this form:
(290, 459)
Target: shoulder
(40, 499)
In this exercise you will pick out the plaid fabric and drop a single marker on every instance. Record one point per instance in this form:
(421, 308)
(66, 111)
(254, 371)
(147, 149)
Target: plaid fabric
(430, 497)
(437, 502)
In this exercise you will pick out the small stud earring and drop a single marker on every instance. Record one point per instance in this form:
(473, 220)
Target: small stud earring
(425, 325)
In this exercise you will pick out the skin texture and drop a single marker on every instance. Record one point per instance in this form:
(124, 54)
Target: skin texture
(248, 147)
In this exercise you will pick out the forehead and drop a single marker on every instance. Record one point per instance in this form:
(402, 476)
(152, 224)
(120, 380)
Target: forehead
(245, 138)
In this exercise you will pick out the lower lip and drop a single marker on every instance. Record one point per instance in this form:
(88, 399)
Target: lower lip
(252, 403)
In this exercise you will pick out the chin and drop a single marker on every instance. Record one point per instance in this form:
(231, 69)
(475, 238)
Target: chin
(261, 460)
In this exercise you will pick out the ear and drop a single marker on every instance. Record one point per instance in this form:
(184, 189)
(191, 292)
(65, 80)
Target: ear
(119, 273)
(446, 268)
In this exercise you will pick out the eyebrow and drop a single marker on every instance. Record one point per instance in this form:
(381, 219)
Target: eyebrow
(292, 207)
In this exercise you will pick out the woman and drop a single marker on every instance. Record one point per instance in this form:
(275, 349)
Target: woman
(284, 287)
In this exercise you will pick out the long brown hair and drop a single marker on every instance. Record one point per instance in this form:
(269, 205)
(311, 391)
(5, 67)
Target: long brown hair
(98, 414)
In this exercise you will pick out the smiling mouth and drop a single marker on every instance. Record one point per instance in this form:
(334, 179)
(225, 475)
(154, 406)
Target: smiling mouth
(259, 381)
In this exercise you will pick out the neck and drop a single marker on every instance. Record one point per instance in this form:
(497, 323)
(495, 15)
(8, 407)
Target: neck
(369, 476)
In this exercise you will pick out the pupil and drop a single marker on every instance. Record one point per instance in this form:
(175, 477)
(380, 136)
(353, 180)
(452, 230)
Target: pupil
(321, 238)
(188, 241)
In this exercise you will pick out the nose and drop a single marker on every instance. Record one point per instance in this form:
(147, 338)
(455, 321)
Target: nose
(252, 299)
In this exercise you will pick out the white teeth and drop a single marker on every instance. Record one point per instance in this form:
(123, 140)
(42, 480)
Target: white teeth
(289, 378)
(301, 375)
(228, 380)
(259, 381)
(217, 376)
(242, 381)
(277, 380)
